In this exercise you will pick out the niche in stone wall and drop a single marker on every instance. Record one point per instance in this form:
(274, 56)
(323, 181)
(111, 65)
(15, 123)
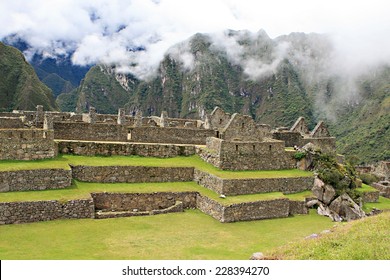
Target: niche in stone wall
(129, 135)
(236, 148)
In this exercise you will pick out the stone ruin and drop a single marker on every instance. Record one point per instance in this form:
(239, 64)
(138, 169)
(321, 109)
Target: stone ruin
(299, 135)
(227, 141)
(233, 142)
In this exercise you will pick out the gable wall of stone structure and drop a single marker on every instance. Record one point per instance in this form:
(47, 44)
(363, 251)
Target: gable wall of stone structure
(242, 128)
(218, 119)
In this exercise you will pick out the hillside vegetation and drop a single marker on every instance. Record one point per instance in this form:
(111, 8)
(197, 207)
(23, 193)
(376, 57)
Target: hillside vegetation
(366, 239)
(20, 87)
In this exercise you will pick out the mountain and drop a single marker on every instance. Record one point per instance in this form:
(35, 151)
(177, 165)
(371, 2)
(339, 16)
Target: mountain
(273, 80)
(363, 129)
(213, 80)
(59, 73)
(20, 87)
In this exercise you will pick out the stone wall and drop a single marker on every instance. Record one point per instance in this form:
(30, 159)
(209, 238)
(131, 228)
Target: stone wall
(210, 207)
(11, 122)
(258, 210)
(251, 186)
(209, 181)
(169, 135)
(383, 188)
(90, 131)
(27, 144)
(327, 144)
(36, 211)
(264, 185)
(239, 155)
(290, 138)
(131, 174)
(124, 149)
(142, 201)
(248, 211)
(298, 207)
(38, 179)
(372, 196)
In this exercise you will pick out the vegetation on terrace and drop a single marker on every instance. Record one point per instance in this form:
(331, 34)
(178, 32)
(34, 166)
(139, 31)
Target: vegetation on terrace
(366, 239)
(63, 162)
(80, 190)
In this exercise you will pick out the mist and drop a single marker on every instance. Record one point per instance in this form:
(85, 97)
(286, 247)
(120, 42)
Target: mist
(136, 35)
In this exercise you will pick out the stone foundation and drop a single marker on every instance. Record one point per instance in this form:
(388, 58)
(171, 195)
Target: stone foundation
(124, 149)
(38, 179)
(132, 174)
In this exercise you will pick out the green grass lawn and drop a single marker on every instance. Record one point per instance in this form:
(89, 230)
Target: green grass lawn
(188, 235)
(366, 188)
(63, 161)
(365, 239)
(382, 204)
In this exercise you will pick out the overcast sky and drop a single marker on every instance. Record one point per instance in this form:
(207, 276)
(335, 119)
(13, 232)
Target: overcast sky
(105, 30)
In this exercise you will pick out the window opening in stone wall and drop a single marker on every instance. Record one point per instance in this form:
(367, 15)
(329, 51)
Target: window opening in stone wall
(254, 147)
(270, 147)
(236, 148)
(217, 134)
(220, 121)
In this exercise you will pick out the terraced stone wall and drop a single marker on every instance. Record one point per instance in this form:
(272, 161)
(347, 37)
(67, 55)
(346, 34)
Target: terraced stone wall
(39, 179)
(248, 211)
(132, 174)
(250, 186)
(36, 211)
(124, 149)
(142, 201)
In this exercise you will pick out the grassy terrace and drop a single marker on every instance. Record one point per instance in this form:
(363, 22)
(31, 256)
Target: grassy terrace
(63, 161)
(83, 189)
(191, 235)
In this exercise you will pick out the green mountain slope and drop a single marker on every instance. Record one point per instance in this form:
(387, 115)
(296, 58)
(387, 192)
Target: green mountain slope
(20, 87)
(363, 130)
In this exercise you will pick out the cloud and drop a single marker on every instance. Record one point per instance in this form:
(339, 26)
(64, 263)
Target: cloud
(135, 35)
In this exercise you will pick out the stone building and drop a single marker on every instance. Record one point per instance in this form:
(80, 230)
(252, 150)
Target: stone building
(299, 135)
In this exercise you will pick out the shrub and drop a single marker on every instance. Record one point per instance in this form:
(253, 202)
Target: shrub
(368, 178)
(299, 155)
